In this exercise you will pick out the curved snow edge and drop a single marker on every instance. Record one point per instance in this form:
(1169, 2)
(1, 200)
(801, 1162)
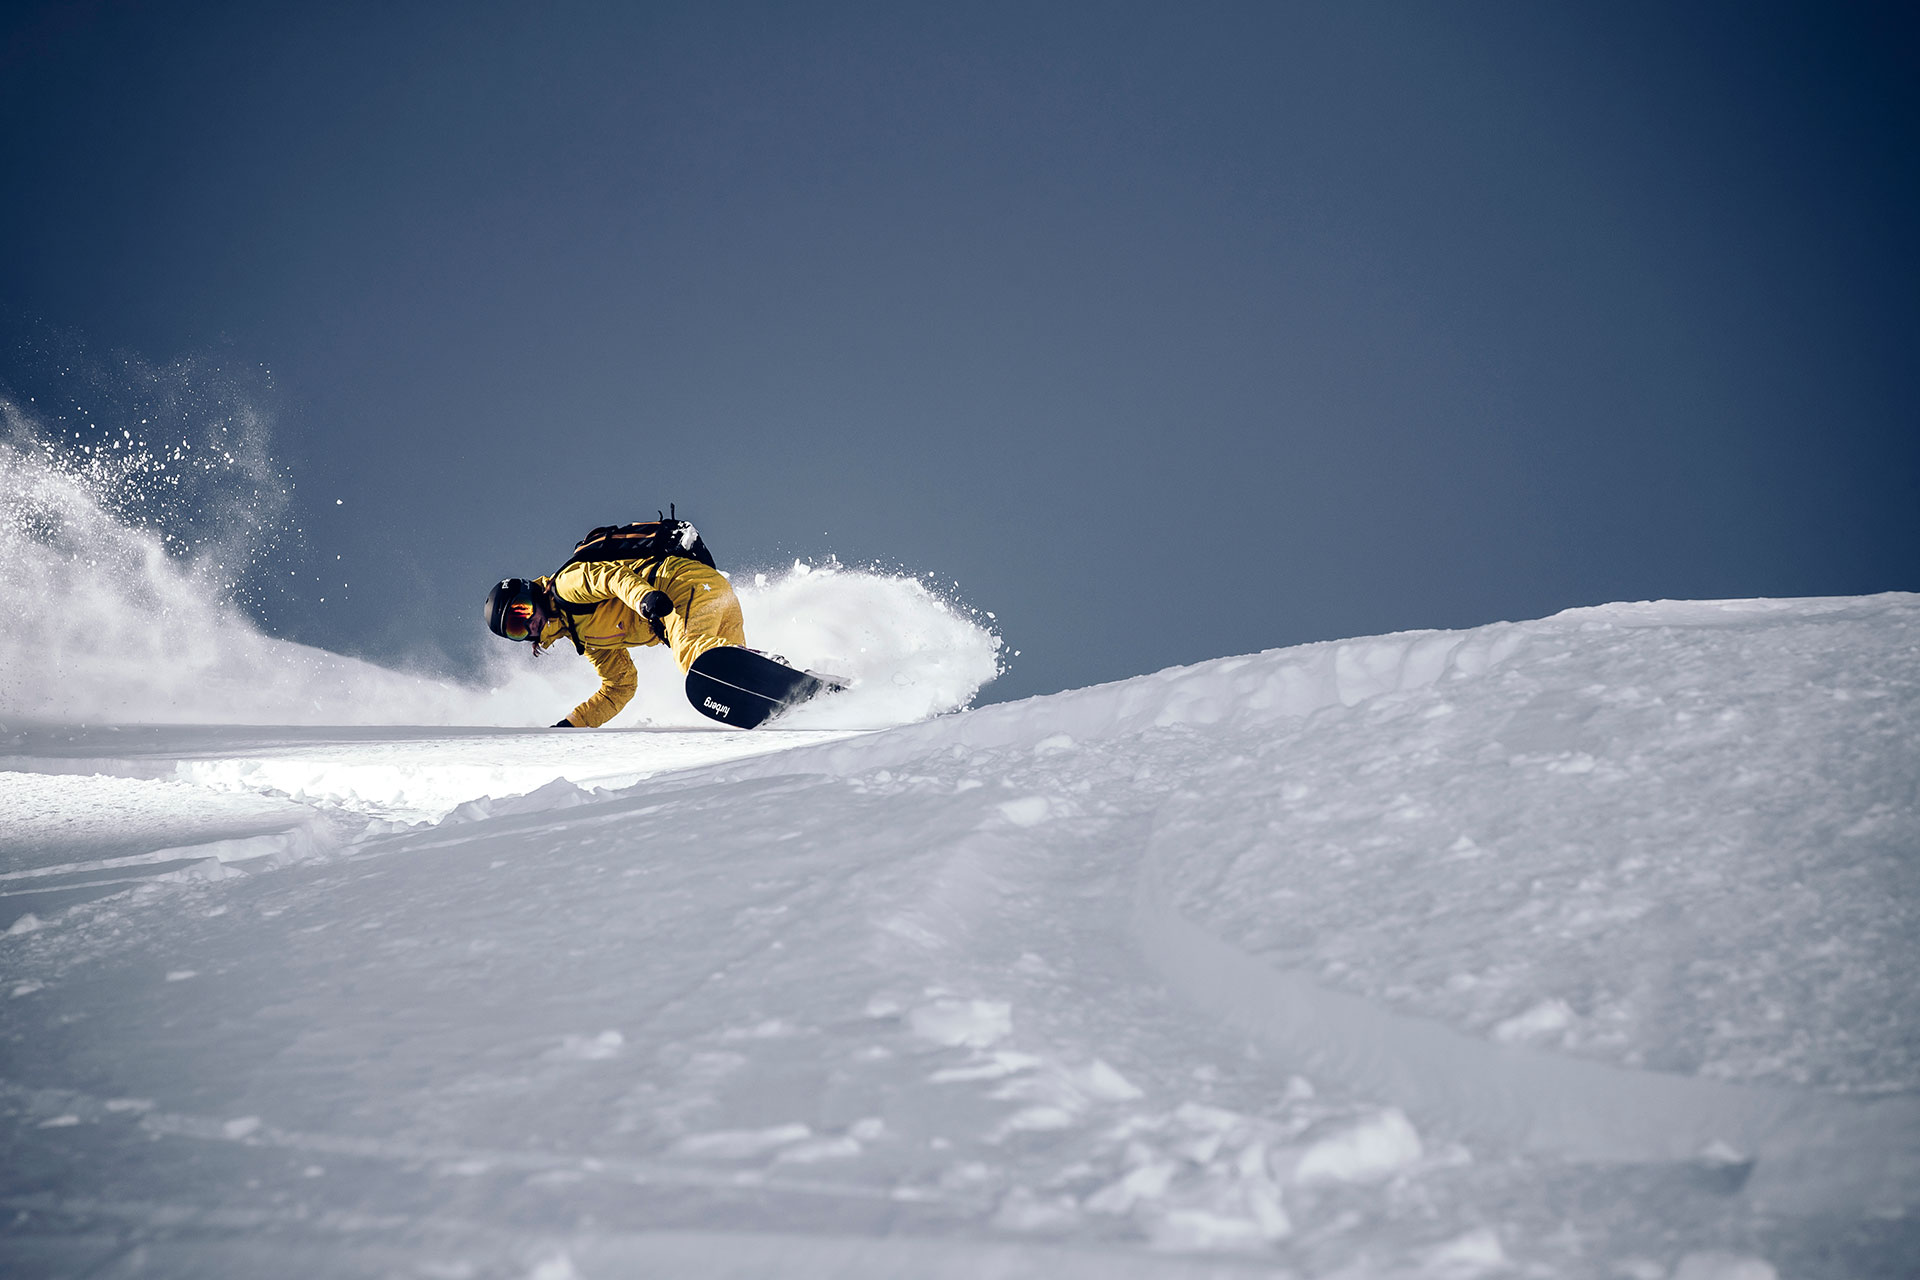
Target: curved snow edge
(1254, 688)
(1282, 683)
(299, 1247)
(1813, 1152)
(930, 1257)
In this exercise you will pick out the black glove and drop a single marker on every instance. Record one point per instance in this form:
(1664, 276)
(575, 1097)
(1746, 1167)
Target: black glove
(565, 724)
(654, 606)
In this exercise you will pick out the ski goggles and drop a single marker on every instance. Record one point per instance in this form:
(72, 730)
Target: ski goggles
(515, 610)
(521, 620)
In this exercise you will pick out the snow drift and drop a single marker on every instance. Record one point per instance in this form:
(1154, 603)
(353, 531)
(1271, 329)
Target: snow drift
(1581, 946)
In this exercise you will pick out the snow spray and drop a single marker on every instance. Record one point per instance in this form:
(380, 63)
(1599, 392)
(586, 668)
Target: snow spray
(909, 651)
(132, 552)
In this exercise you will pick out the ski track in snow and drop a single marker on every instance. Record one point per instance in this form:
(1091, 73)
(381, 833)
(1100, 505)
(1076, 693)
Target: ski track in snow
(1581, 947)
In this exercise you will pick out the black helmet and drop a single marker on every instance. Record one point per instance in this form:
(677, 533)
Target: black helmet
(516, 609)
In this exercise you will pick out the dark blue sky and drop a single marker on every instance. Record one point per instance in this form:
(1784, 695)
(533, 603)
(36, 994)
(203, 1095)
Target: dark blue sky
(1170, 331)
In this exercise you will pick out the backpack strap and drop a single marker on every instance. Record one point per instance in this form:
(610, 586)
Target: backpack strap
(568, 612)
(670, 525)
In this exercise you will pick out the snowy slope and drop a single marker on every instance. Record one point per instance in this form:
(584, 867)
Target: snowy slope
(1581, 947)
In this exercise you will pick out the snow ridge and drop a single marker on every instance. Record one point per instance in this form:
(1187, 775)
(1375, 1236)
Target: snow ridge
(1806, 1151)
(1575, 947)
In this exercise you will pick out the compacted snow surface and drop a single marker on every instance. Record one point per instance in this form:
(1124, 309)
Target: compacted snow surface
(1580, 947)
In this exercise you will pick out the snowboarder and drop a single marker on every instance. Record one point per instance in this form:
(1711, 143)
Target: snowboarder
(609, 606)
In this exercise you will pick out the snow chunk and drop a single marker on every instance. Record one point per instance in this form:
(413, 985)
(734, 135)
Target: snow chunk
(1147, 1182)
(765, 1029)
(1545, 1019)
(1021, 1210)
(1027, 811)
(1041, 1119)
(1104, 1083)
(977, 1023)
(243, 1127)
(588, 1048)
(843, 1147)
(1375, 1149)
(997, 1066)
(558, 1267)
(741, 1144)
(1713, 1265)
(1203, 1230)
(1474, 1254)
(1198, 1115)
(558, 793)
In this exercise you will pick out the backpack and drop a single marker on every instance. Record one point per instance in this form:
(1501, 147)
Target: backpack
(647, 540)
(653, 540)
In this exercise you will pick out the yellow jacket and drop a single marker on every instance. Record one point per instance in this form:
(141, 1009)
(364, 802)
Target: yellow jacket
(705, 613)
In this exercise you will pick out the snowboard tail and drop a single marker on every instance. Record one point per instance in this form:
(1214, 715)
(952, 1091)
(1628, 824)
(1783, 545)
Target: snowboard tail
(744, 688)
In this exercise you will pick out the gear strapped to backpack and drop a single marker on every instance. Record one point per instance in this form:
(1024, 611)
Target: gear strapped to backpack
(647, 540)
(652, 540)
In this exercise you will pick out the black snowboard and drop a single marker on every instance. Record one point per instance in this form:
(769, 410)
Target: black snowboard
(743, 688)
